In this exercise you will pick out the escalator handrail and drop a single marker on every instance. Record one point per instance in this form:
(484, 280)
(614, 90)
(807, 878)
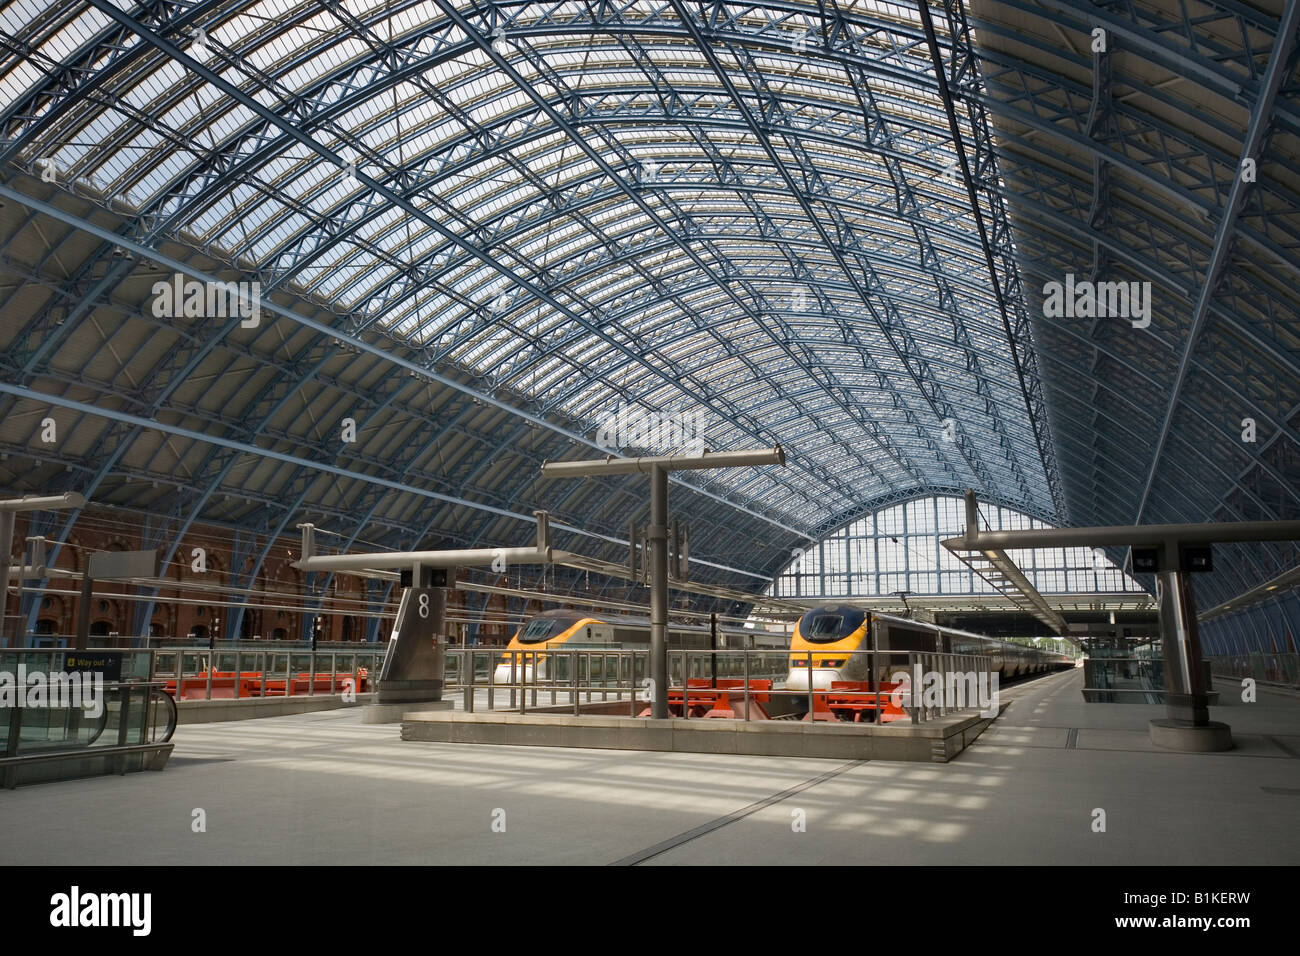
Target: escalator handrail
(154, 688)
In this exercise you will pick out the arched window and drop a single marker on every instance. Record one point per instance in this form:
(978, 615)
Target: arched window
(898, 549)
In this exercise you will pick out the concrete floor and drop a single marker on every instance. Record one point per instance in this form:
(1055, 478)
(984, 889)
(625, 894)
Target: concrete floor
(325, 789)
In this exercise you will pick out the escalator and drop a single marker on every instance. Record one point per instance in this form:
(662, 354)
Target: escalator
(132, 731)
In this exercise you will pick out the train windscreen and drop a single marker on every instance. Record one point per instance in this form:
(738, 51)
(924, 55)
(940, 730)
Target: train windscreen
(537, 630)
(823, 626)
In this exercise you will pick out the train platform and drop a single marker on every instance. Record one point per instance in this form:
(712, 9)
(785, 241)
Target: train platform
(324, 788)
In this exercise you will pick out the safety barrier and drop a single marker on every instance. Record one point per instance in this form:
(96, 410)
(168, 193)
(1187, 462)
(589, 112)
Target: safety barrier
(201, 673)
(950, 683)
(1268, 668)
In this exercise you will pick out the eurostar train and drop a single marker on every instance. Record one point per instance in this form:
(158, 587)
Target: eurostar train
(590, 630)
(832, 631)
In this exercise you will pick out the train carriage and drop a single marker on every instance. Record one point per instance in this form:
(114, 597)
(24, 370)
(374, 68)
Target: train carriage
(831, 635)
(566, 629)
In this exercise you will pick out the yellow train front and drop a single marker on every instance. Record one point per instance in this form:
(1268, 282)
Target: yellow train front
(547, 630)
(832, 633)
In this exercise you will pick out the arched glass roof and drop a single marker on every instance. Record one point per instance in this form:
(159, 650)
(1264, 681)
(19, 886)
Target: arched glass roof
(480, 229)
(658, 204)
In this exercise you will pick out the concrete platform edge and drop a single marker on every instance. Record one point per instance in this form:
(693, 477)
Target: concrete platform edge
(216, 711)
(932, 741)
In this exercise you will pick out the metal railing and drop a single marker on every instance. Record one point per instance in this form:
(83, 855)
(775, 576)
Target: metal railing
(265, 672)
(1269, 668)
(136, 664)
(599, 673)
(1139, 680)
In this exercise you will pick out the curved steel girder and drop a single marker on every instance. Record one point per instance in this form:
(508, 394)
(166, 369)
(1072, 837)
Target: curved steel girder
(1182, 200)
(363, 522)
(1023, 443)
(592, 266)
(1279, 65)
(684, 243)
(1259, 629)
(596, 200)
(231, 425)
(830, 342)
(263, 428)
(900, 461)
(1254, 466)
(323, 331)
(1146, 29)
(502, 148)
(163, 45)
(95, 62)
(494, 141)
(284, 437)
(595, 266)
(1125, 460)
(1202, 367)
(624, 26)
(509, 441)
(921, 375)
(1068, 184)
(182, 492)
(282, 457)
(332, 157)
(1135, 120)
(1124, 395)
(1174, 513)
(112, 39)
(1065, 226)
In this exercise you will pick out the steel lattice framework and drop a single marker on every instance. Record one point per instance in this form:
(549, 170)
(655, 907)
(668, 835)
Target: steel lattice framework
(482, 228)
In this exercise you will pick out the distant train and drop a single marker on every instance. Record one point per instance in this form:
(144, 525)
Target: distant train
(832, 631)
(584, 630)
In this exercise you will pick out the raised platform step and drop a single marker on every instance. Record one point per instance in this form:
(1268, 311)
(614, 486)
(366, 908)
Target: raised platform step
(936, 740)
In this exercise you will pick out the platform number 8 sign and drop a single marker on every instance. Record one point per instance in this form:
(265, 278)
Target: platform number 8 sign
(424, 605)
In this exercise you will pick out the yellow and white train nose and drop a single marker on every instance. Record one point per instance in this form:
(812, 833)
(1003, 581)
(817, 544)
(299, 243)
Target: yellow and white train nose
(821, 677)
(518, 673)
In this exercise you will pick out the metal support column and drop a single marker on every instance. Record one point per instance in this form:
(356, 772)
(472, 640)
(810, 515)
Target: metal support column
(1185, 692)
(658, 468)
(658, 533)
(6, 550)
(83, 609)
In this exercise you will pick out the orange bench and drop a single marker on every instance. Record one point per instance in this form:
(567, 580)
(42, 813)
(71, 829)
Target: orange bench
(250, 685)
(853, 706)
(720, 701)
